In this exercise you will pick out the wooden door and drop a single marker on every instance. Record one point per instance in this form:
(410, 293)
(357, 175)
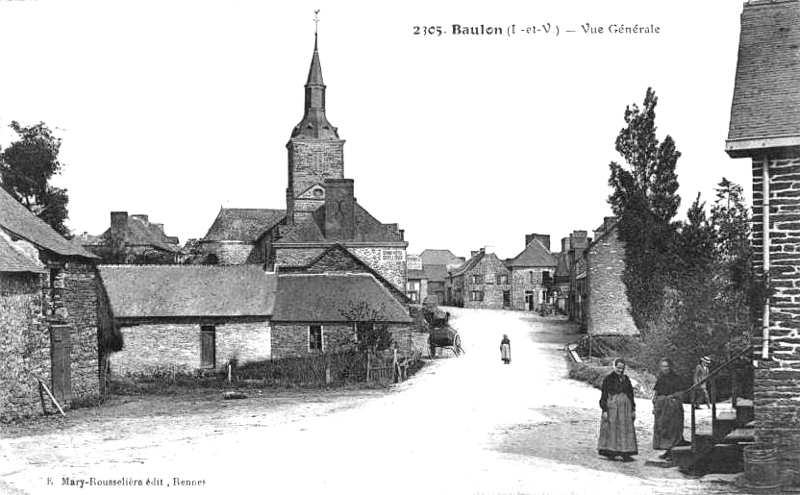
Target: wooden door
(208, 346)
(60, 348)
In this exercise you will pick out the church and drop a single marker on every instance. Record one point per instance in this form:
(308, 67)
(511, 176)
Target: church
(321, 208)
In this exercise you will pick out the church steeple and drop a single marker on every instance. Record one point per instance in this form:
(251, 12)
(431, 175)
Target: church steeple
(315, 124)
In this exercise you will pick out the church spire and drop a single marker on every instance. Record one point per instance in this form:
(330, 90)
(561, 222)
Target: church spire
(315, 124)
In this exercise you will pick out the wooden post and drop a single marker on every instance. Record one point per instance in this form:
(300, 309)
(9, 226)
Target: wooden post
(395, 368)
(367, 366)
(49, 394)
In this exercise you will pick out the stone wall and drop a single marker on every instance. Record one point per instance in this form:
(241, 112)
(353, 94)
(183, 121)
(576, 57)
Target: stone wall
(607, 306)
(229, 252)
(79, 285)
(390, 262)
(176, 346)
(24, 346)
(291, 339)
(777, 380)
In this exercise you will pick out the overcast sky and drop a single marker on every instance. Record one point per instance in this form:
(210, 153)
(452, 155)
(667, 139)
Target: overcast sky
(173, 109)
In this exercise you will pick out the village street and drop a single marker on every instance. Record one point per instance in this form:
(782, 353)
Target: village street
(464, 425)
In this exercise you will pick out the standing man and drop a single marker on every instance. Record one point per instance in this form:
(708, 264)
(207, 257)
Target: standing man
(700, 374)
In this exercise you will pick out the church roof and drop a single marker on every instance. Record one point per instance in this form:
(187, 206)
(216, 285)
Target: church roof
(149, 291)
(534, 254)
(21, 222)
(243, 224)
(439, 257)
(765, 111)
(367, 229)
(325, 297)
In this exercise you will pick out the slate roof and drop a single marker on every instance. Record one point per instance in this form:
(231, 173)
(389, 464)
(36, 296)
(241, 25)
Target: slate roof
(435, 273)
(367, 229)
(12, 259)
(469, 265)
(21, 222)
(766, 95)
(147, 291)
(534, 254)
(322, 297)
(439, 257)
(243, 224)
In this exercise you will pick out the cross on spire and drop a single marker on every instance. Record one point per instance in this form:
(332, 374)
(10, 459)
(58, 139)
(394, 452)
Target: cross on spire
(316, 21)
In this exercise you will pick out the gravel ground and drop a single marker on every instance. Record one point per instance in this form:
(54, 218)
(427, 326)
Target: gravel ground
(462, 425)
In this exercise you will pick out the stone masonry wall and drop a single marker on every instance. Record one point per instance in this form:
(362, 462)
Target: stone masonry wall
(176, 346)
(777, 380)
(24, 346)
(390, 262)
(313, 161)
(607, 308)
(79, 297)
(229, 253)
(291, 339)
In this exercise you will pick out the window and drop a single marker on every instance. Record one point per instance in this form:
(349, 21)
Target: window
(531, 276)
(476, 295)
(545, 278)
(413, 295)
(502, 279)
(315, 338)
(476, 279)
(489, 279)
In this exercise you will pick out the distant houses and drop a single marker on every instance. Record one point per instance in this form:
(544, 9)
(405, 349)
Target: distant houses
(132, 239)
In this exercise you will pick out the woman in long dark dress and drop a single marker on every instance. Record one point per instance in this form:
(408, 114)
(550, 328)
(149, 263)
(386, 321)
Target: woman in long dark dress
(617, 434)
(667, 409)
(505, 349)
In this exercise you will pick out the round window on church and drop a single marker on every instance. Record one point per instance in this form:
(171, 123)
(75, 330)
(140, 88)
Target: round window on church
(317, 193)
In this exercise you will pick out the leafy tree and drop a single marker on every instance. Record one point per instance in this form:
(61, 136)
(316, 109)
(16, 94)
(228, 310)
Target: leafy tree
(645, 200)
(26, 167)
(372, 332)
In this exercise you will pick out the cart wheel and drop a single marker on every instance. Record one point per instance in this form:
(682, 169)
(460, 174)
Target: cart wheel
(457, 345)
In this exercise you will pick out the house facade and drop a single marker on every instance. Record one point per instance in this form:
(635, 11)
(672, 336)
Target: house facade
(765, 127)
(417, 280)
(576, 301)
(49, 315)
(483, 281)
(532, 274)
(607, 310)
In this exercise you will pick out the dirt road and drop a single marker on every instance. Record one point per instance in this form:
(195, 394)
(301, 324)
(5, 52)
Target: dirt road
(463, 425)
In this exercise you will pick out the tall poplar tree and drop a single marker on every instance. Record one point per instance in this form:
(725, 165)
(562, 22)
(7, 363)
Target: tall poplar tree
(645, 201)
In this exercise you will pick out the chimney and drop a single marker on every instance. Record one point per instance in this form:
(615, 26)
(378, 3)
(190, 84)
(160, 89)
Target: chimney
(340, 207)
(472, 254)
(119, 226)
(564, 244)
(142, 218)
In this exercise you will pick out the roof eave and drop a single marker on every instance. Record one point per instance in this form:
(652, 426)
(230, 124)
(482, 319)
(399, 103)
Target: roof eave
(757, 147)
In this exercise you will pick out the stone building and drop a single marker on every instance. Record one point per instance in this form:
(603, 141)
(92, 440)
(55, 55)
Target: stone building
(561, 277)
(436, 263)
(314, 312)
(49, 315)
(241, 235)
(132, 239)
(765, 127)
(482, 282)
(321, 207)
(185, 318)
(532, 274)
(607, 310)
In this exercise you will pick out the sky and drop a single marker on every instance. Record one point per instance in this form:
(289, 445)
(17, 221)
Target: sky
(175, 109)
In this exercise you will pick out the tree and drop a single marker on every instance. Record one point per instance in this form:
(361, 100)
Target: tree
(26, 167)
(645, 200)
(372, 333)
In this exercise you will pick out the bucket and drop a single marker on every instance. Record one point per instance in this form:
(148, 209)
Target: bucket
(761, 467)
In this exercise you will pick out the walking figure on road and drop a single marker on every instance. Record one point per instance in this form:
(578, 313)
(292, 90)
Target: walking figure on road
(617, 434)
(700, 374)
(505, 349)
(667, 409)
